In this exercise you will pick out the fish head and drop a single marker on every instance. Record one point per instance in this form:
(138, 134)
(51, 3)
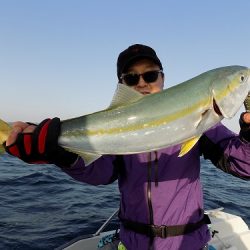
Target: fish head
(230, 87)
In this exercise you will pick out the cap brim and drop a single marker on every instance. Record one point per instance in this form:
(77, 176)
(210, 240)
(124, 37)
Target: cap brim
(137, 58)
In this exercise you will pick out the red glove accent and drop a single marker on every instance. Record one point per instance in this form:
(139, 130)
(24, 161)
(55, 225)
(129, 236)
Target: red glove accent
(41, 146)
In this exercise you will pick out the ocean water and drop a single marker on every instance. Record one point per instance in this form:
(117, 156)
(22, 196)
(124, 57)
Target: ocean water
(43, 208)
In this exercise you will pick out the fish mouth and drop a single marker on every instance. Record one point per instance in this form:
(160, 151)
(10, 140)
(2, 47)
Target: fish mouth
(216, 108)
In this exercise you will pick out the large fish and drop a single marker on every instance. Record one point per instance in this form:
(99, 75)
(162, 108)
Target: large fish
(136, 123)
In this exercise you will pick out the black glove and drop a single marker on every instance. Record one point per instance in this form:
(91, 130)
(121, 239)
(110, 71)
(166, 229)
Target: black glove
(41, 146)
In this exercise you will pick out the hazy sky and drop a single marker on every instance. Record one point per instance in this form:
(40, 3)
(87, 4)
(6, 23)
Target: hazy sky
(58, 58)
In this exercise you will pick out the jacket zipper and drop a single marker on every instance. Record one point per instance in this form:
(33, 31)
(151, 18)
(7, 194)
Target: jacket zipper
(149, 191)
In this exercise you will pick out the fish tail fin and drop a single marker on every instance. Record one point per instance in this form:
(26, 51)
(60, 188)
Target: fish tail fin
(5, 129)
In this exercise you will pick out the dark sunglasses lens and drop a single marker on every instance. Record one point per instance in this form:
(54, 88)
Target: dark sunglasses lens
(131, 79)
(150, 76)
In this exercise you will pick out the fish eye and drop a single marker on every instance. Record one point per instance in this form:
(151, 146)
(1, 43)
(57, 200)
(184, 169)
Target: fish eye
(242, 78)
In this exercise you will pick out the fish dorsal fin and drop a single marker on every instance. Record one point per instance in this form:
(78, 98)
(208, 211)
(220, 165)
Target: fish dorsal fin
(124, 95)
(188, 145)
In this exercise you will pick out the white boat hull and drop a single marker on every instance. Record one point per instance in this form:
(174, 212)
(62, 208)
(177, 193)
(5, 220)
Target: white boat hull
(233, 232)
(230, 233)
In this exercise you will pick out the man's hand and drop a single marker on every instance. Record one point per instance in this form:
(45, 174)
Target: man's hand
(17, 128)
(246, 118)
(39, 143)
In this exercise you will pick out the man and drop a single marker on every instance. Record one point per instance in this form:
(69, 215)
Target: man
(161, 196)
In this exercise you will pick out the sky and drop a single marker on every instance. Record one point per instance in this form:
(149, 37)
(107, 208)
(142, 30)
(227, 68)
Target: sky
(58, 57)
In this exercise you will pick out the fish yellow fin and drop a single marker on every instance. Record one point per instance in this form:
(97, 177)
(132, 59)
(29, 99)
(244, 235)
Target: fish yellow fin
(124, 95)
(89, 157)
(86, 156)
(5, 129)
(188, 145)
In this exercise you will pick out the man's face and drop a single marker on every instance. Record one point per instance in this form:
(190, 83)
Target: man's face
(140, 67)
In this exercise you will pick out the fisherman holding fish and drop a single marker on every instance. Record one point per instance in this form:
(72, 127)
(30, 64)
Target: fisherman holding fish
(161, 204)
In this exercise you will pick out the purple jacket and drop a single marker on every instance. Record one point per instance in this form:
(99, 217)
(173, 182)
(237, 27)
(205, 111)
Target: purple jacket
(174, 182)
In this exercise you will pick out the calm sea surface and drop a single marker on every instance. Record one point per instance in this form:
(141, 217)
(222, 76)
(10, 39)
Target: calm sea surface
(43, 208)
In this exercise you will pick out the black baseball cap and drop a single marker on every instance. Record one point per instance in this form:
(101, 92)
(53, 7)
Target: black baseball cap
(134, 53)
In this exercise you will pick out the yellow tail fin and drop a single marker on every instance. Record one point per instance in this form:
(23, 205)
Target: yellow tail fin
(5, 129)
(188, 145)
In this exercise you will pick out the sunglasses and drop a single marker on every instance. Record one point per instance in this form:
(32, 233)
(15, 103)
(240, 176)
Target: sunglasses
(132, 79)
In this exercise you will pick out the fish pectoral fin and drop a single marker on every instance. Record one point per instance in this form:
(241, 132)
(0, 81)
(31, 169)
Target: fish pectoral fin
(86, 156)
(188, 145)
(204, 119)
(124, 95)
(89, 157)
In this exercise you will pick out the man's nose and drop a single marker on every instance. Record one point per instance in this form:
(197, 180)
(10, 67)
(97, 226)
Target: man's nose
(141, 82)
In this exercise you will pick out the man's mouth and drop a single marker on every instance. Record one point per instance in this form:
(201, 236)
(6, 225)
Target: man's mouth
(145, 92)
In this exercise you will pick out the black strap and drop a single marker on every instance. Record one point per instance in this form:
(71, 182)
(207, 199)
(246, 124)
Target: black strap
(164, 231)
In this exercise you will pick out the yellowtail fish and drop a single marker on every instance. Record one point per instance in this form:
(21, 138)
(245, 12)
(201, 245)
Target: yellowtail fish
(136, 123)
